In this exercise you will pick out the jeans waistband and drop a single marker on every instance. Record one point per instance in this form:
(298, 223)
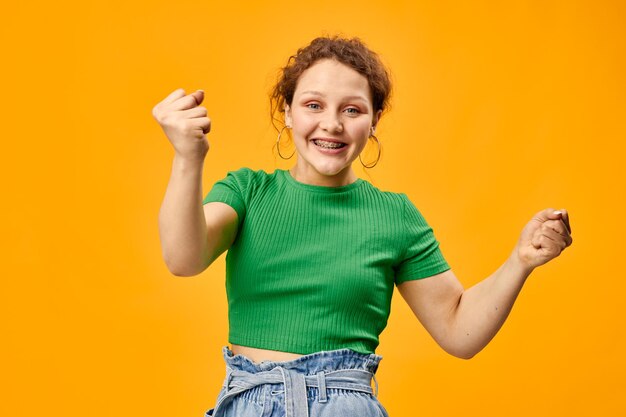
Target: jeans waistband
(290, 374)
(310, 364)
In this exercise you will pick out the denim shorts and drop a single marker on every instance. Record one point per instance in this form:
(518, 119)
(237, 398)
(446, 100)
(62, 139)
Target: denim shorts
(335, 383)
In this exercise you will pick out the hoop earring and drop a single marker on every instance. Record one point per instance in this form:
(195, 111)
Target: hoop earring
(278, 144)
(377, 158)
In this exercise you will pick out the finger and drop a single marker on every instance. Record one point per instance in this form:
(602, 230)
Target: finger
(557, 225)
(546, 244)
(561, 229)
(558, 240)
(198, 95)
(565, 217)
(554, 238)
(546, 214)
(550, 250)
(195, 112)
(188, 102)
(203, 123)
(537, 239)
(566, 233)
(173, 96)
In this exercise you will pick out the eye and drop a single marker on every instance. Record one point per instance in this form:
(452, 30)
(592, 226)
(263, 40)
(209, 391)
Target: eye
(356, 111)
(313, 104)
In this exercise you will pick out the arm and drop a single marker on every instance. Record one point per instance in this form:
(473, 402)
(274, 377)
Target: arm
(192, 236)
(462, 321)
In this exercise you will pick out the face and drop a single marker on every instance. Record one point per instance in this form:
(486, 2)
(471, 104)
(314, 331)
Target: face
(332, 117)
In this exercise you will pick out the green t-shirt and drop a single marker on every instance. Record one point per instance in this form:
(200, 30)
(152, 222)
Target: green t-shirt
(313, 268)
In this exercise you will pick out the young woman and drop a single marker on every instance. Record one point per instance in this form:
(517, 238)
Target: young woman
(314, 252)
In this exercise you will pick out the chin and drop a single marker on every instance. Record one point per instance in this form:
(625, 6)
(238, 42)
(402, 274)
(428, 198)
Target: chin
(330, 170)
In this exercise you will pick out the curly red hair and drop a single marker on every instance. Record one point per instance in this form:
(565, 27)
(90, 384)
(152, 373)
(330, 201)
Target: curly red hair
(351, 52)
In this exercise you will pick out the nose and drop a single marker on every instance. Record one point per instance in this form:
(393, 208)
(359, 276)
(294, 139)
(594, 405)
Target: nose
(331, 123)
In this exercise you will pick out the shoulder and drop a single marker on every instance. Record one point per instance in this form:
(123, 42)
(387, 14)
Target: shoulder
(399, 203)
(393, 200)
(244, 174)
(247, 176)
(251, 183)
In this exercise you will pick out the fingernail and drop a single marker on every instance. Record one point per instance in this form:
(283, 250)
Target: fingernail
(201, 90)
(557, 212)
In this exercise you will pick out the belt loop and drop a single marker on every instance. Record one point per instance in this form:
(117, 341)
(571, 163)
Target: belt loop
(229, 377)
(296, 403)
(321, 386)
(376, 383)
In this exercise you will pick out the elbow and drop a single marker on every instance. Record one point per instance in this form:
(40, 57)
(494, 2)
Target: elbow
(184, 269)
(461, 352)
(185, 263)
(465, 355)
(181, 273)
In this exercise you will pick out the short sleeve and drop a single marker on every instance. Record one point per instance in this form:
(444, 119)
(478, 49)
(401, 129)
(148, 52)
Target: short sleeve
(422, 257)
(231, 190)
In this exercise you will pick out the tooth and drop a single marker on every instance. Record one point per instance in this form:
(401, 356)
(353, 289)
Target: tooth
(328, 145)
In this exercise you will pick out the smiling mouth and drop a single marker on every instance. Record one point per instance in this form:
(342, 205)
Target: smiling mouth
(326, 144)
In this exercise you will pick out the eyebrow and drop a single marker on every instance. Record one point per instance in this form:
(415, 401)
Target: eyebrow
(317, 93)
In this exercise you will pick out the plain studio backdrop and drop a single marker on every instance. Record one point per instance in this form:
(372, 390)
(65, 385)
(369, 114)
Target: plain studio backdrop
(501, 109)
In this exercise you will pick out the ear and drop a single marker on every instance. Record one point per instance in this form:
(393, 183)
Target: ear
(288, 115)
(376, 119)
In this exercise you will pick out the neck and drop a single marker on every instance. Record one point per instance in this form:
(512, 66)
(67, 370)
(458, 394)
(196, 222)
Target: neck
(312, 177)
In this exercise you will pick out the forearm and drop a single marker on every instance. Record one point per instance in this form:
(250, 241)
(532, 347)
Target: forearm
(182, 224)
(484, 307)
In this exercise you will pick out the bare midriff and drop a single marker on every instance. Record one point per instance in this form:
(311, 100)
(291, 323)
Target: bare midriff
(260, 355)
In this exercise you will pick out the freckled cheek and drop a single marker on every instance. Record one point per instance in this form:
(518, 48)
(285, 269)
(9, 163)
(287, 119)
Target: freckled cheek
(303, 124)
(363, 130)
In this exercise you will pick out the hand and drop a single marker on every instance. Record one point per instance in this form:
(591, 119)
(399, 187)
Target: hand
(185, 123)
(544, 238)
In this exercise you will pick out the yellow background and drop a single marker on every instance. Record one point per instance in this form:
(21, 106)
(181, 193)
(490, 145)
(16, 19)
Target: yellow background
(501, 109)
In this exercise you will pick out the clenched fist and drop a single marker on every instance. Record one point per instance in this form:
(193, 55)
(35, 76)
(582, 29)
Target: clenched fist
(544, 237)
(185, 123)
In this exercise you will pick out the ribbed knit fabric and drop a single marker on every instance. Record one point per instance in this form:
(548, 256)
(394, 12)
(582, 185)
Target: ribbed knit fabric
(313, 268)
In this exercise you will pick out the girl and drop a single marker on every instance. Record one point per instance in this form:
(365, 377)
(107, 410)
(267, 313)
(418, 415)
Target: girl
(314, 252)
